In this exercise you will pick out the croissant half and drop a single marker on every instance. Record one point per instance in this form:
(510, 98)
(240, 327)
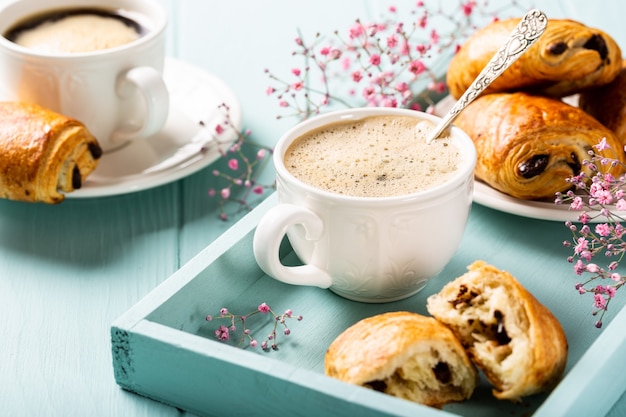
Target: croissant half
(406, 355)
(532, 144)
(43, 154)
(566, 59)
(517, 342)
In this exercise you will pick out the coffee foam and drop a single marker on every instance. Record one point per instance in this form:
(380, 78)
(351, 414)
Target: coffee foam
(377, 156)
(77, 33)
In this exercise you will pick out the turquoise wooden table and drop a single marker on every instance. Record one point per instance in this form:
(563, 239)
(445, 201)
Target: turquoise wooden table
(68, 271)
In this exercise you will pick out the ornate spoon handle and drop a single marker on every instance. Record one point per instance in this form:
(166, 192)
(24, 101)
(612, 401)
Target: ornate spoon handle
(528, 30)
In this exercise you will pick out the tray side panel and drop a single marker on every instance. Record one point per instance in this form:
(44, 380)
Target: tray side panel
(210, 379)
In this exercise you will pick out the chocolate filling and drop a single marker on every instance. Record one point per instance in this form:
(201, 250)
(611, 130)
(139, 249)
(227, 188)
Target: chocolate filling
(533, 166)
(597, 43)
(442, 372)
(557, 48)
(77, 180)
(95, 150)
(377, 385)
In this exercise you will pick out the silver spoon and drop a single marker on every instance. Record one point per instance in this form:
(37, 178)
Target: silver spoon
(527, 31)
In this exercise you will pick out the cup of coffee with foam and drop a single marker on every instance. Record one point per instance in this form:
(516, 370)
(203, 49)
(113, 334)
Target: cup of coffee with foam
(98, 61)
(372, 211)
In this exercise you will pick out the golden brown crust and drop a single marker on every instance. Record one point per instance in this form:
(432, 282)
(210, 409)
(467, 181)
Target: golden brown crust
(608, 104)
(42, 153)
(529, 145)
(569, 57)
(517, 342)
(403, 354)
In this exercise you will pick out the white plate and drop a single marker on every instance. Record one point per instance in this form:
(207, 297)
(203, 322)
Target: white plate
(489, 197)
(544, 210)
(194, 97)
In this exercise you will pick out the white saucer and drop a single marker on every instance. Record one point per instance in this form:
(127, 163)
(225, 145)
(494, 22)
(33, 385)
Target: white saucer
(194, 97)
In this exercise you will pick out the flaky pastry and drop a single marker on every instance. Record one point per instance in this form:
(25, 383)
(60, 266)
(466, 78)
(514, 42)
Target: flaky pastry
(513, 338)
(569, 57)
(43, 154)
(528, 145)
(406, 355)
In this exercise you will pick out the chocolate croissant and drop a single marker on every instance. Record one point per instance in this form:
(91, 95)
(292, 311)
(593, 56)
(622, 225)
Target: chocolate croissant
(406, 355)
(608, 104)
(43, 154)
(529, 145)
(566, 59)
(513, 338)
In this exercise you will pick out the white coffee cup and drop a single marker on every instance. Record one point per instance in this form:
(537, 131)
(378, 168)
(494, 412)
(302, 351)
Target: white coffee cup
(118, 93)
(368, 249)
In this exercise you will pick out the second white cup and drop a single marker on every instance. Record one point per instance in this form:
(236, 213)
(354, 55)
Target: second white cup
(118, 93)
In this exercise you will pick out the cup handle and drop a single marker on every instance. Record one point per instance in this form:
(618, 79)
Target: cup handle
(149, 82)
(268, 237)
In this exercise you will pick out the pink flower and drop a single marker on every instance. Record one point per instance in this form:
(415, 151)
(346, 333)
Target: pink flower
(264, 308)
(233, 164)
(417, 67)
(577, 203)
(603, 229)
(392, 41)
(297, 85)
(468, 7)
(375, 59)
(270, 90)
(357, 76)
(296, 72)
(434, 37)
(356, 31)
(402, 86)
(610, 291)
(258, 190)
(325, 50)
(599, 301)
(222, 333)
(219, 129)
(225, 193)
(368, 92)
(260, 154)
(602, 145)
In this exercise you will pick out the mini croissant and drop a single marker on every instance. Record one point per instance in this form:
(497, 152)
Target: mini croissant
(43, 154)
(405, 355)
(567, 58)
(528, 145)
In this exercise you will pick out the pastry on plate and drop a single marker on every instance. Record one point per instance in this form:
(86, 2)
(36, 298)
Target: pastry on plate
(406, 355)
(567, 58)
(513, 338)
(608, 104)
(43, 154)
(528, 145)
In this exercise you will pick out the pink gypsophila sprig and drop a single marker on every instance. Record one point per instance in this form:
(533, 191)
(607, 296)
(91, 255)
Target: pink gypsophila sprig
(244, 160)
(599, 196)
(223, 332)
(387, 63)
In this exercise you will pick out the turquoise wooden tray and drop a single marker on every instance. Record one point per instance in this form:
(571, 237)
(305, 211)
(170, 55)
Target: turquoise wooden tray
(163, 347)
